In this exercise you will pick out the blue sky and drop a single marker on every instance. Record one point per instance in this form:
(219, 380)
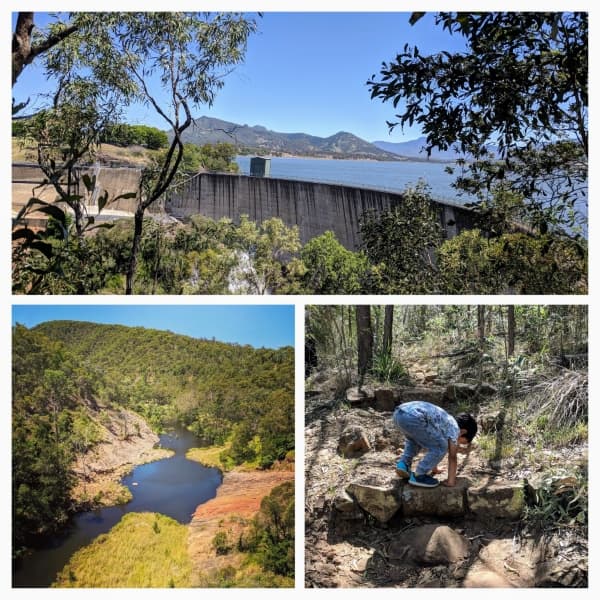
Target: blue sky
(307, 72)
(259, 326)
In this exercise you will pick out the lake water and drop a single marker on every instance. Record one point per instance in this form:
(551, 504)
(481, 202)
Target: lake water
(393, 176)
(174, 487)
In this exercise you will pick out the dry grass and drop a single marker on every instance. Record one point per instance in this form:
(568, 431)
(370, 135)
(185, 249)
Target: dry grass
(209, 456)
(144, 550)
(563, 399)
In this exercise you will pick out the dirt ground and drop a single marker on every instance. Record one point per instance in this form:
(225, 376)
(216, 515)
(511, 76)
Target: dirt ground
(238, 500)
(362, 552)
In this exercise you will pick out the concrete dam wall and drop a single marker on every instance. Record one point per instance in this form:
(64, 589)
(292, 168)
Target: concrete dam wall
(313, 207)
(115, 180)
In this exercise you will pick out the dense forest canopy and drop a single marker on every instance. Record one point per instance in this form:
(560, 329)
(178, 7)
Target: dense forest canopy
(62, 369)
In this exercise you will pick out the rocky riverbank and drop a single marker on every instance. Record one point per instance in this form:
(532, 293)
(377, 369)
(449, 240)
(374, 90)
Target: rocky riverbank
(126, 441)
(238, 500)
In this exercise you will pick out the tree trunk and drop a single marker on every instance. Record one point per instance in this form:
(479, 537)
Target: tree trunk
(510, 329)
(481, 324)
(365, 341)
(387, 329)
(138, 222)
(23, 51)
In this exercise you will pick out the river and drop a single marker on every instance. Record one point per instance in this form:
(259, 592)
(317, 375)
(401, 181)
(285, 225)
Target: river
(174, 487)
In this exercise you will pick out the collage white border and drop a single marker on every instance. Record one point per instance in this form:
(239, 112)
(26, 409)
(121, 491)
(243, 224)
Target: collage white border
(593, 300)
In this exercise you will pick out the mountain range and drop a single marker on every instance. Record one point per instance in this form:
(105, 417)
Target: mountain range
(260, 140)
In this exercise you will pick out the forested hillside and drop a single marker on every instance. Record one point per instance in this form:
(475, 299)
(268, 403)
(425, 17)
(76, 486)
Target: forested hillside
(71, 379)
(216, 389)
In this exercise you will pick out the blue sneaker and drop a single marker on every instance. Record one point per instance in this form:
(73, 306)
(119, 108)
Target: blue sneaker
(402, 469)
(423, 481)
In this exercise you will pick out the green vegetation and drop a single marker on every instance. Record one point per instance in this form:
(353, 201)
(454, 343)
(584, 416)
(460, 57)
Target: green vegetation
(209, 456)
(402, 252)
(142, 550)
(122, 134)
(225, 393)
(520, 86)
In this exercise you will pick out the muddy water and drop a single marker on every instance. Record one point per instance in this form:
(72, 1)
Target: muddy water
(174, 487)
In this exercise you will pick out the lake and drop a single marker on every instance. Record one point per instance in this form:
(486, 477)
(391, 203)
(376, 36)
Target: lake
(174, 487)
(392, 176)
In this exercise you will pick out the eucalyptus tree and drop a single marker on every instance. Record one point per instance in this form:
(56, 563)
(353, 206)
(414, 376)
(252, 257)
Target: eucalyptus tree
(169, 62)
(520, 86)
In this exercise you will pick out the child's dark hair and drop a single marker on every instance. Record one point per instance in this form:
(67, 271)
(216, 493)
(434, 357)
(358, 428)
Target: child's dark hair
(468, 423)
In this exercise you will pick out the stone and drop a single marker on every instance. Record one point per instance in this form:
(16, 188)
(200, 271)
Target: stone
(491, 422)
(440, 501)
(344, 503)
(353, 442)
(483, 578)
(356, 397)
(384, 400)
(460, 391)
(347, 509)
(439, 545)
(434, 395)
(486, 389)
(497, 499)
(381, 501)
(429, 545)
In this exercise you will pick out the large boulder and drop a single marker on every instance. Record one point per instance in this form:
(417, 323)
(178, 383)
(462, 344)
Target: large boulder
(497, 499)
(353, 442)
(440, 545)
(440, 501)
(429, 545)
(380, 499)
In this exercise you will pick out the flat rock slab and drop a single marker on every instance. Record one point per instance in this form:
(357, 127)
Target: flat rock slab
(432, 394)
(440, 501)
(505, 499)
(381, 500)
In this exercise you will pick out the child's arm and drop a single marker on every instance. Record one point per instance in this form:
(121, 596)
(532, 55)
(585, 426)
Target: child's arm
(452, 464)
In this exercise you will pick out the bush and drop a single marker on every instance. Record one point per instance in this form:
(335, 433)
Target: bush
(221, 543)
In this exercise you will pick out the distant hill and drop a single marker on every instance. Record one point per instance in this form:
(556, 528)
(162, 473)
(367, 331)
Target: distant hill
(415, 149)
(259, 139)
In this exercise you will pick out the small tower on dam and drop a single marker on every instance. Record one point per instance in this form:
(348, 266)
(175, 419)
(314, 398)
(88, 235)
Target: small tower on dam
(260, 167)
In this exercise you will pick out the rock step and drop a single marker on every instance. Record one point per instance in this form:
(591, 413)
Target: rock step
(387, 398)
(383, 500)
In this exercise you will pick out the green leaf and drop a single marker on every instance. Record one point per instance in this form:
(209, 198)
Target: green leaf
(89, 182)
(416, 16)
(55, 213)
(28, 234)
